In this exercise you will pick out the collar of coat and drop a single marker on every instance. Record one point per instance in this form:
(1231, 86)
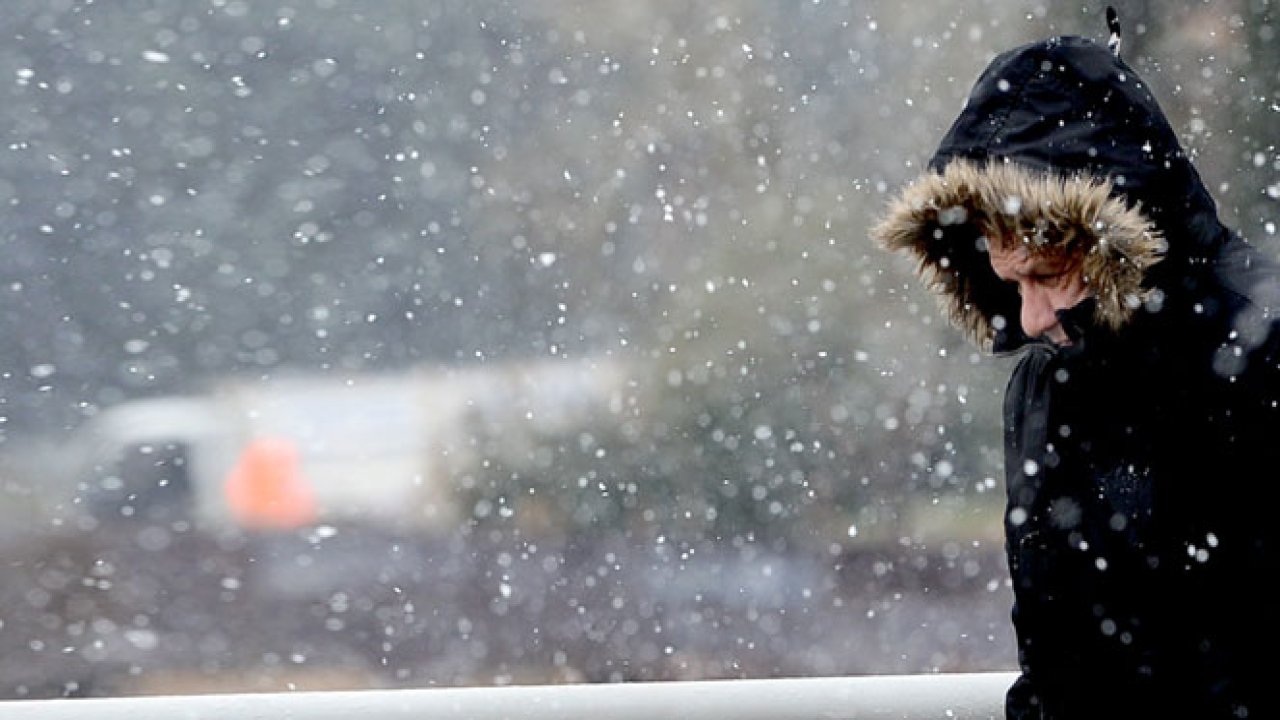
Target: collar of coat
(938, 220)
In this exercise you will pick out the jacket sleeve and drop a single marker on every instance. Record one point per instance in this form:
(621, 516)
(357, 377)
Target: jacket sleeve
(1021, 703)
(1026, 413)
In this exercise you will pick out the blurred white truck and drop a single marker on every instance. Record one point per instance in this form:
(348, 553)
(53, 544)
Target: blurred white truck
(296, 450)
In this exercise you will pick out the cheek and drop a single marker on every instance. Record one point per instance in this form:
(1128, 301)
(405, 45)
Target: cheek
(1069, 294)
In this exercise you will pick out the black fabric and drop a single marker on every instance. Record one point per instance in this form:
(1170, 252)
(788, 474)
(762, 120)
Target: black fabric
(1142, 464)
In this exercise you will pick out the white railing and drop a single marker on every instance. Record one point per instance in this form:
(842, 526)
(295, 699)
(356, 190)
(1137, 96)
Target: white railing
(970, 696)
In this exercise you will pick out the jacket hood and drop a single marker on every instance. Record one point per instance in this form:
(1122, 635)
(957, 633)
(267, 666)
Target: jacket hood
(1063, 144)
(940, 220)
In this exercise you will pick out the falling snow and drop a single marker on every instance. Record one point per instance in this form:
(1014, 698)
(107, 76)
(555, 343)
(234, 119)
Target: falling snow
(418, 344)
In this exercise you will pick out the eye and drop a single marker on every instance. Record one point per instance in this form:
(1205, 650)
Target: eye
(1054, 279)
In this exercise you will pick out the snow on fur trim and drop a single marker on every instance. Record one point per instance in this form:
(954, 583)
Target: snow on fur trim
(942, 218)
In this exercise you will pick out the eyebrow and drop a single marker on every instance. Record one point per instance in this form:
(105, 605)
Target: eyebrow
(1037, 268)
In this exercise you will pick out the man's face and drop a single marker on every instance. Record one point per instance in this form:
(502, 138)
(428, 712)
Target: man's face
(1046, 282)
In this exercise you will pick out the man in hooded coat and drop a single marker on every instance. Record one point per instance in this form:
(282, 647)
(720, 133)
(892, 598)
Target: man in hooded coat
(1061, 222)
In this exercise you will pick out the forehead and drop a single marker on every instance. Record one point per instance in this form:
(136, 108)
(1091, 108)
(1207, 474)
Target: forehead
(1015, 256)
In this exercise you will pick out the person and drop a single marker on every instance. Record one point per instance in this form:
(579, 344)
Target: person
(1061, 222)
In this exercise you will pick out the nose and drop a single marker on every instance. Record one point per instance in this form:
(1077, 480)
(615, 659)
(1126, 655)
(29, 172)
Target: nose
(1039, 316)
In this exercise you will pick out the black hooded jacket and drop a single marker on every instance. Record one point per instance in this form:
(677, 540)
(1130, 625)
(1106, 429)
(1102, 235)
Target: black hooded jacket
(1142, 458)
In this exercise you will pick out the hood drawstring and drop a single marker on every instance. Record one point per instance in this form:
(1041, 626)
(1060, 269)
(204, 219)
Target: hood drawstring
(1113, 24)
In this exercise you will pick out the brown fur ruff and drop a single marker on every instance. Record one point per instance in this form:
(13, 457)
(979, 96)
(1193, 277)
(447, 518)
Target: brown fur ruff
(940, 220)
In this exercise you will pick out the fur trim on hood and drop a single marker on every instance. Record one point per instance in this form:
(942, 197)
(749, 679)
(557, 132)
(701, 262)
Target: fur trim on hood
(940, 220)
